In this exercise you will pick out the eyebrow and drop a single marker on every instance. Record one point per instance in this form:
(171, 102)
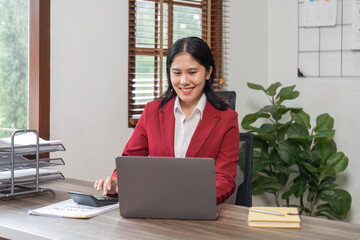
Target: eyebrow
(189, 69)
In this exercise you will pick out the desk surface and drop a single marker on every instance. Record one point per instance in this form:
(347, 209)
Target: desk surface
(15, 223)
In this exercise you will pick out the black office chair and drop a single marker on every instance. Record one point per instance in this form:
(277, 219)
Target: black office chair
(243, 193)
(229, 96)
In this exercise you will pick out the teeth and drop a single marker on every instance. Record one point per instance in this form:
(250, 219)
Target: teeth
(186, 90)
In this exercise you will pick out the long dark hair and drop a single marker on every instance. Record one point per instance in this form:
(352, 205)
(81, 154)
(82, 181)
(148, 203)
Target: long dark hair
(201, 52)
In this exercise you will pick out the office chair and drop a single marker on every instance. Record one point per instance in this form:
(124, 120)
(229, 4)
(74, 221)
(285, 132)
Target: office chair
(243, 193)
(229, 96)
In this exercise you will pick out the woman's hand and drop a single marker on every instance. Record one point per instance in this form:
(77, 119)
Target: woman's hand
(109, 186)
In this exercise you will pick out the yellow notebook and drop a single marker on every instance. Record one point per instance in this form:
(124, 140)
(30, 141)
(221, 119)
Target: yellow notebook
(259, 219)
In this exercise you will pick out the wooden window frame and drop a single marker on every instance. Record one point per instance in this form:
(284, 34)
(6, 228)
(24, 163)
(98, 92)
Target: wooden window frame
(212, 19)
(39, 67)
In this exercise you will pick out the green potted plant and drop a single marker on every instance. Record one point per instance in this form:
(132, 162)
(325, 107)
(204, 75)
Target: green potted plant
(291, 158)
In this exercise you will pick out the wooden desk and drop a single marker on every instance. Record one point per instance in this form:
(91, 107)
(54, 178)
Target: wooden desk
(15, 223)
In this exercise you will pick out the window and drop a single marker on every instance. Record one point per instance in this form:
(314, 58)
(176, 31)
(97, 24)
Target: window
(153, 26)
(13, 64)
(25, 65)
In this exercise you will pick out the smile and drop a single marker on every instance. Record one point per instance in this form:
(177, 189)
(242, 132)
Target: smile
(186, 90)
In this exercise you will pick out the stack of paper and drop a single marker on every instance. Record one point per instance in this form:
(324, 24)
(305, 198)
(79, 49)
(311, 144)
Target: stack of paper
(70, 209)
(289, 219)
(18, 172)
(26, 143)
(26, 176)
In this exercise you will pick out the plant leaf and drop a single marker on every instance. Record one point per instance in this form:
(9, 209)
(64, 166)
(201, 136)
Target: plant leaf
(272, 109)
(325, 150)
(326, 171)
(286, 194)
(288, 152)
(296, 132)
(299, 185)
(327, 209)
(251, 118)
(313, 155)
(324, 136)
(324, 122)
(287, 93)
(272, 89)
(309, 167)
(338, 161)
(259, 163)
(282, 130)
(301, 118)
(266, 128)
(256, 87)
(264, 184)
(283, 110)
(339, 200)
(283, 169)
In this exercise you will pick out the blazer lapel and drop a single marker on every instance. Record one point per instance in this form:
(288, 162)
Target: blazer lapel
(167, 127)
(210, 118)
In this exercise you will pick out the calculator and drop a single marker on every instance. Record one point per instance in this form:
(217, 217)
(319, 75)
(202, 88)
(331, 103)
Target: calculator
(90, 200)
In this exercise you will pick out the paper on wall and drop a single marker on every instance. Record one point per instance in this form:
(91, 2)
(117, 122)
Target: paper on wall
(320, 13)
(355, 35)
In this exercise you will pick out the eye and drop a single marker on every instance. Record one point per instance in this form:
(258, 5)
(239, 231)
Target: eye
(192, 73)
(177, 73)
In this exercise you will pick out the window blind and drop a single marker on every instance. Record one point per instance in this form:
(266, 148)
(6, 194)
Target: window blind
(153, 26)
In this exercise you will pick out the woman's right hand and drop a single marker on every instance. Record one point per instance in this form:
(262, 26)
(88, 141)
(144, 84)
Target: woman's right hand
(109, 185)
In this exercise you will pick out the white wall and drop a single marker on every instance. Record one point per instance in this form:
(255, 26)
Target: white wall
(89, 60)
(89, 88)
(248, 56)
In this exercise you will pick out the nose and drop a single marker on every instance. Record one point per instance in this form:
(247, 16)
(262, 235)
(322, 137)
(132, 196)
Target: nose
(184, 80)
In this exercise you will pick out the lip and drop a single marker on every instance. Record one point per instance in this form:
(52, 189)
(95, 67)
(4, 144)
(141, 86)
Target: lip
(188, 90)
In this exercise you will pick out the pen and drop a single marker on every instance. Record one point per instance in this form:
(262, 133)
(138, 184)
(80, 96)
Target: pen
(265, 211)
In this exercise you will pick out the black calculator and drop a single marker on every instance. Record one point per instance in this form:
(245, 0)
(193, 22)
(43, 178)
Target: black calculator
(90, 200)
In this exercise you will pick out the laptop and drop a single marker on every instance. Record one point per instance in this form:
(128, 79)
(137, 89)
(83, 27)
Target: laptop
(166, 187)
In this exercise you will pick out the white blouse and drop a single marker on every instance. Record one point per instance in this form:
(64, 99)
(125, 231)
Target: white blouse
(184, 130)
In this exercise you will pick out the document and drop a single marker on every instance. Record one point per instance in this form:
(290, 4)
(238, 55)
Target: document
(22, 141)
(320, 13)
(27, 139)
(28, 176)
(70, 209)
(355, 34)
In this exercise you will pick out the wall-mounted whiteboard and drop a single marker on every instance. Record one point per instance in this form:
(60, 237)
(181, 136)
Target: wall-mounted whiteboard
(326, 51)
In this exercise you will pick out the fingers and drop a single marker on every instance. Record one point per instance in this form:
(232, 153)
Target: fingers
(109, 185)
(98, 185)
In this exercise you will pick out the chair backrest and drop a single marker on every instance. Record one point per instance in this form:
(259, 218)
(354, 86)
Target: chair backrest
(230, 97)
(244, 192)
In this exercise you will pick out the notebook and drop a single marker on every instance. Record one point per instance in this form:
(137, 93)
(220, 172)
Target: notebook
(289, 219)
(165, 187)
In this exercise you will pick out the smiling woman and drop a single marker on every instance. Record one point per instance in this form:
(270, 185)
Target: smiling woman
(153, 27)
(189, 120)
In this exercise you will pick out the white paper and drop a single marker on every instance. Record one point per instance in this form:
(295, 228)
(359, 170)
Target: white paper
(28, 139)
(23, 173)
(355, 33)
(71, 209)
(320, 13)
(22, 141)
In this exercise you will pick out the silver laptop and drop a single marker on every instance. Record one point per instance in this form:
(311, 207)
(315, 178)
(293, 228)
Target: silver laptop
(163, 187)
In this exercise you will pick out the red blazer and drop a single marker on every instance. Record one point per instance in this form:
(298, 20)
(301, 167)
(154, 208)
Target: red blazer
(216, 136)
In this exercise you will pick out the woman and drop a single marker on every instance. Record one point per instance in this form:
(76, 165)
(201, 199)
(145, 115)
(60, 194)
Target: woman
(189, 120)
